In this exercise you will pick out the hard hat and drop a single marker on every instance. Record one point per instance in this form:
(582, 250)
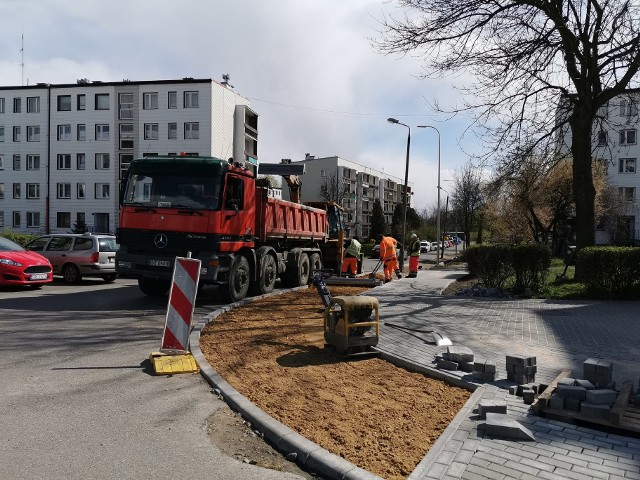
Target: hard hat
(413, 235)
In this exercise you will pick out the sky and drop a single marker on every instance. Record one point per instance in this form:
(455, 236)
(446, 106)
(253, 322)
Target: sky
(309, 68)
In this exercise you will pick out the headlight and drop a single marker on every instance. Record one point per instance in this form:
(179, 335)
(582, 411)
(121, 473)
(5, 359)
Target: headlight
(6, 261)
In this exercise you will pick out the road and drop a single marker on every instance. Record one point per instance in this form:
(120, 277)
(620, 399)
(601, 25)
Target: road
(79, 399)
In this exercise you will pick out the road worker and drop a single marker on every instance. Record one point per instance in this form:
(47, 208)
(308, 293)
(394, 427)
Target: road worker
(388, 256)
(414, 255)
(351, 256)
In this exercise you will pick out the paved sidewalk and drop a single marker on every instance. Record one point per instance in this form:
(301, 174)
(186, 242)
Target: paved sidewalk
(561, 334)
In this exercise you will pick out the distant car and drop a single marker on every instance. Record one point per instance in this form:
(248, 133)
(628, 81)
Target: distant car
(425, 246)
(76, 255)
(375, 251)
(434, 245)
(19, 266)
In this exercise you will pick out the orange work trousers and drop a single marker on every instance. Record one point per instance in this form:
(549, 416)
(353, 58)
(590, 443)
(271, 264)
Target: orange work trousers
(350, 265)
(413, 264)
(390, 266)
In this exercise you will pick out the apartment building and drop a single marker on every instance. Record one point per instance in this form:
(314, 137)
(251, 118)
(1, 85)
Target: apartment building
(356, 187)
(615, 142)
(64, 148)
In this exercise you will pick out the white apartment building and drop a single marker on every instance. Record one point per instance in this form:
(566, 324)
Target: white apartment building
(364, 185)
(63, 148)
(615, 141)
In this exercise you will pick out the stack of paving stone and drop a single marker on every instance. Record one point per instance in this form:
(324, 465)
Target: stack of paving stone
(521, 369)
(592, 396)
(484, 370)
(456, 358)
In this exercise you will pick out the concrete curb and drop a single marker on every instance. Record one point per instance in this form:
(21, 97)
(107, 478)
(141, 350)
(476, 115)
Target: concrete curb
(308, 454)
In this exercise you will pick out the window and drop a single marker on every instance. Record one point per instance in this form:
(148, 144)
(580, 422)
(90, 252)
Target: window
(33, 162)
(64, 161)
(81, 132)
(125, 161)
(17, 105)
(102, 190)
(191, 130)
(63, 219)
(627, 194)
(628, 137)
(33, 219)
(1, 219)
(126, 135)
(151, 131)
(1, 105)
(102, 161)
(33, 133)
(16, 163)
(235, 196)
(173, 100)
(33, 190)
(17, 134)
(173, 131)
(102, 132)
(16, 219)
(64, 190)
(81, 161)
(323, 173)
(1, 162)
(146, 192)
(150, 101)
(102, 101)
(33, 104)
(81, 100)
(80, 218)
(64, 103)
(1, 134)
(64, 132)
(125, 106)
(602, 138)
(627, 165)
(1, 190)
(628, 107)
(190, 99)
(80, 190)
(16, 190)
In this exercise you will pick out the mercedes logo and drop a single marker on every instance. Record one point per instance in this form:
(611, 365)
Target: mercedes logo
(160, 240)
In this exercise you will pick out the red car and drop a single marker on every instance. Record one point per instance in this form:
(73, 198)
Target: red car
(22, 267)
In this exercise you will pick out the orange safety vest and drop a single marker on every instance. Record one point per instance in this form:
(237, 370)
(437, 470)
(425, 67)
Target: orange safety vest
(387, 248)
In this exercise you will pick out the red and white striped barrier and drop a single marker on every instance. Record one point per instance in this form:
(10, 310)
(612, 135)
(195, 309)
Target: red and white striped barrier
(182, 302)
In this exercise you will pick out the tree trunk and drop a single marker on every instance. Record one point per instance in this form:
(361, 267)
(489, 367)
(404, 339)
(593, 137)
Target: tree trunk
(583, 190)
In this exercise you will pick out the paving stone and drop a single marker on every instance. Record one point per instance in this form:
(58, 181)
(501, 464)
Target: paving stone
(572, 391)
(528, 396)
(466, 366)
(493, 406)
(589, 366)
(447, 365)
(520, 360)
(459, 354)
(567, 381)
(503, 425)
(556, 402)
(601, 397)
(584, 383)
(572, 404)
(595, 411)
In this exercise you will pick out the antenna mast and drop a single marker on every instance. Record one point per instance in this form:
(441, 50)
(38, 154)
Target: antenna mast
(22, 59)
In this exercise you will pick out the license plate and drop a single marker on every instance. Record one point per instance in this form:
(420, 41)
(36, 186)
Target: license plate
(38, 276)
(160, 263)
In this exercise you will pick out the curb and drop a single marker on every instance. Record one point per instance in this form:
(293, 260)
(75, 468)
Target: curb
(308, 454)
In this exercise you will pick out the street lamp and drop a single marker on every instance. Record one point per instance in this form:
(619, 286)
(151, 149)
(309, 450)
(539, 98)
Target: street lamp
(438, 210)
(406, 195)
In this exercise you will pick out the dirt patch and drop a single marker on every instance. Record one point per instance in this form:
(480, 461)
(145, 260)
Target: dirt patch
(462, 283)
(378, 416)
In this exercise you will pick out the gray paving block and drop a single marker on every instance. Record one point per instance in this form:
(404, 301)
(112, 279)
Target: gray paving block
(490, 366)
(505, 426)
(589, 365)
(528, 396)
(567, 381)
(604, 367)
(572, 391)
(572, 404)
(584, 383)
(459, 354)
(491, 406)
(556, 402)
(601, 397)
(446, 365)
(520, 360)
(478, 366)
(530, 370)
(595, 411)
(466, 366)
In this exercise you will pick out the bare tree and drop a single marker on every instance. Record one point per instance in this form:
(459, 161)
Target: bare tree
(467, 200)
(332, 191)
(541, 68)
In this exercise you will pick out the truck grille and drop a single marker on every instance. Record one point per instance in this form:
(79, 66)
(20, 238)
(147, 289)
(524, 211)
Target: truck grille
(165, 243)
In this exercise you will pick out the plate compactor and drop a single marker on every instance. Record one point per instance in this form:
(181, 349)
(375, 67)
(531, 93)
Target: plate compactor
(351, 323)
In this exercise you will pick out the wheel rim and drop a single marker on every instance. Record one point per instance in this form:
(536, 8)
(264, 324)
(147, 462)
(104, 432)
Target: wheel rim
(70, 274)
(239, 281)
(269, 278)
(303, 269)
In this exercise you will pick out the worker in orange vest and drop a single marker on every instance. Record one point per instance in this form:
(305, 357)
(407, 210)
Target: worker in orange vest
(388, 256)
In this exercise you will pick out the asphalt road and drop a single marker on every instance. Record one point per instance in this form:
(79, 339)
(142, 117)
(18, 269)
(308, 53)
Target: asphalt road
(78, 397)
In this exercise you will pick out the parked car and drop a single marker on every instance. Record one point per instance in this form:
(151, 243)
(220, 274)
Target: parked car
(425, 246)
(434, 245)
(76, 255)
(19, 266)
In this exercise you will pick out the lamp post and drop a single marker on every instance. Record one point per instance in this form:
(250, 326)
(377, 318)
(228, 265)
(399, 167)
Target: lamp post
(406, 194)
(438, 209)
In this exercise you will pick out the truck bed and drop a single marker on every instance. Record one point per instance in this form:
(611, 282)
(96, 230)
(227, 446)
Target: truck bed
(280, 219)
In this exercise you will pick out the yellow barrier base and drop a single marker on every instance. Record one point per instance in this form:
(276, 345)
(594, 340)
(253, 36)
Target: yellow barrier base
(164, 364)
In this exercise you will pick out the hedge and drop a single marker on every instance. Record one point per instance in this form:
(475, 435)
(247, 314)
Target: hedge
(610, 272)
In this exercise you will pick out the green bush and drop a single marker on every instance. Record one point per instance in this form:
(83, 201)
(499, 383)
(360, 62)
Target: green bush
(610, 272)
(530, 264)
(19, 238)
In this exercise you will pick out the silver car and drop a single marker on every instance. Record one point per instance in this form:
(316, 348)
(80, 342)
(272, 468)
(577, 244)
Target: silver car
(76, 255)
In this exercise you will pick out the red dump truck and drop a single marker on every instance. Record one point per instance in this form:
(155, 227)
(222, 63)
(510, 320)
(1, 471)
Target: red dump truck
(246, 240)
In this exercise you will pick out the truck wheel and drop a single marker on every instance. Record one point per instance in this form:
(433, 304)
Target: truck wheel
(304, 269)
(315, 262)
(238, 285)
(153, 287)
(267, 276)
